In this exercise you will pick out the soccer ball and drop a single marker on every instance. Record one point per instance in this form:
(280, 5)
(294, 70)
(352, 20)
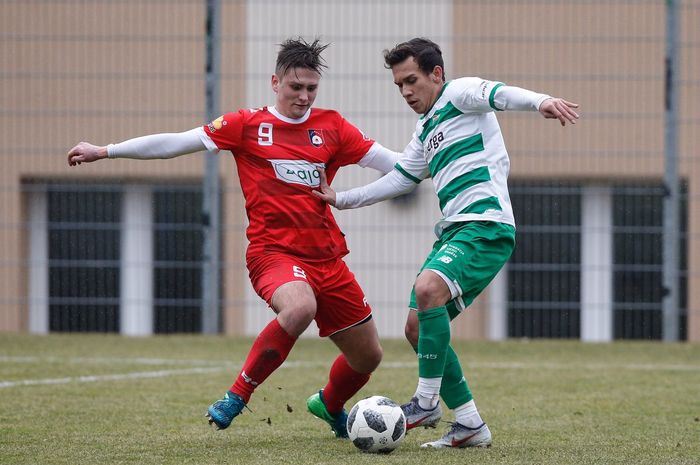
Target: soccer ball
(376, 424)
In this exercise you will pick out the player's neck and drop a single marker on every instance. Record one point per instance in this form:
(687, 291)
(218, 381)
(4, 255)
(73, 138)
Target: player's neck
(275, 112)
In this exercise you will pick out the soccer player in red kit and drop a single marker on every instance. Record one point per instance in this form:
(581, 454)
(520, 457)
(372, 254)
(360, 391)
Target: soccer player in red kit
(295, 253)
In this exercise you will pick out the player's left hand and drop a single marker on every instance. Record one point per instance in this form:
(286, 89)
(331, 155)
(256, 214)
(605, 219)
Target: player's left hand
(558, 108)
(324, 191)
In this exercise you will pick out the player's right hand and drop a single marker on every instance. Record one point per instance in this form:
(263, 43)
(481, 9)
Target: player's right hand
(85, 152)
(324, 191)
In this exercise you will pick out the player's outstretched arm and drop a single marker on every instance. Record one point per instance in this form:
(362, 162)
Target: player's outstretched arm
(85, 152)
(558, 108)
(154, 146)
(388, 186)
(519, 99)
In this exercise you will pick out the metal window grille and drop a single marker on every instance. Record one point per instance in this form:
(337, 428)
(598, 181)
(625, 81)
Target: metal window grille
(638, 291)
(84, 250)
(177, 233)
(544, 272)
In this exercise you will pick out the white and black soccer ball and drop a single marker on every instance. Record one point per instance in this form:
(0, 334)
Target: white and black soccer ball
(376, 424)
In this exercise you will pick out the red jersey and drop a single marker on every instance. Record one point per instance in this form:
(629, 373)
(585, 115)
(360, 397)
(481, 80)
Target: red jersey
(278, 163)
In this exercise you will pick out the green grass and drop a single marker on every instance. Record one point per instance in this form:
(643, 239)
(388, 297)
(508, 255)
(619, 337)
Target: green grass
(546, 402)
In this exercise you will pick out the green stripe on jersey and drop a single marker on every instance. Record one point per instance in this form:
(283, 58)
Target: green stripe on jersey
(405, 173)
(457, 150)
(480, 206)
(445, 113)
(492, 96)
(461, 183)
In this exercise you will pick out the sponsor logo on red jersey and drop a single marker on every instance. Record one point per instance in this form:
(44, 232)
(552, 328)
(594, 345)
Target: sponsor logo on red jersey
(297, 171)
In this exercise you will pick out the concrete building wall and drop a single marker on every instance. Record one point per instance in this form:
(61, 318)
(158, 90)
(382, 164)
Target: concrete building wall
(107, 71)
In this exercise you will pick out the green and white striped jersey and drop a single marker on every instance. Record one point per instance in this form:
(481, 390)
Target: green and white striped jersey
(458, 143)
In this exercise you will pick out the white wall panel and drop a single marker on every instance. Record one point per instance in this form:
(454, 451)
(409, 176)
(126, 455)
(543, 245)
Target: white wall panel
(389, 241)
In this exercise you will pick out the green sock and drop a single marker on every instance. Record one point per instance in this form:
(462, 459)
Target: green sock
(433, 341)
(454, 389)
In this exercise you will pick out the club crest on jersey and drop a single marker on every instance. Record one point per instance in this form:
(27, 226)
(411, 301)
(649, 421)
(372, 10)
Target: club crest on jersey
(316, 137)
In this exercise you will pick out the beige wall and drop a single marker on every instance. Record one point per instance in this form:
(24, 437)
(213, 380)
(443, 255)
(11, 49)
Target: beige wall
(607, 57)
(103, 72)
(106, 71)
(388, 241)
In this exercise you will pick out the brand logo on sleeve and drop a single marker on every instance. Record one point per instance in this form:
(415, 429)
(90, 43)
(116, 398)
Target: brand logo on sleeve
(217, 124)
(297, 171)
(484, 85)
(316, 137)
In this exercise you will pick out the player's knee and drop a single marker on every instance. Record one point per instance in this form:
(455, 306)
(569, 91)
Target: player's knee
(305, 313)
(424, 288)
(373, 358)
(431, 291)
(367, 359)
(295, 318)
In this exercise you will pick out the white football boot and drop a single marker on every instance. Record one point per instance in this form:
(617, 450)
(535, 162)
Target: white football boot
(460, 436)
(417, 416)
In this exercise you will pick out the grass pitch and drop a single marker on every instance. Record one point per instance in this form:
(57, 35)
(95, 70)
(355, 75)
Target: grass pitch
(91, 399)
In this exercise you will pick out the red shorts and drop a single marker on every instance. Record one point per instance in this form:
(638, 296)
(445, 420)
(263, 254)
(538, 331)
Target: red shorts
(340, 302)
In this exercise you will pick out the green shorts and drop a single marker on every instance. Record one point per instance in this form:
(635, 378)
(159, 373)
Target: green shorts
(470, 255)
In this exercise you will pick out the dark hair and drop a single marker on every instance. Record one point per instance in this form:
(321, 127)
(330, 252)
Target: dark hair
(298, 53)
(426, 53)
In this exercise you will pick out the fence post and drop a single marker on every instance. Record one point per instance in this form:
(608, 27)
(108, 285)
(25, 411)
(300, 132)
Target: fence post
(210, 188)
(671, 199)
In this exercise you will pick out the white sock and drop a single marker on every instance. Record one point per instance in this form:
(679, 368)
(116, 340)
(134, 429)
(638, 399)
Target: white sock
(428, 392)
(468, 415)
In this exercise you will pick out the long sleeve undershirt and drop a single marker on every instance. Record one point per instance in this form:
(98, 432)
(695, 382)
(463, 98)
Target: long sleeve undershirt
(170, 145)
(388, 186)
(394, 183)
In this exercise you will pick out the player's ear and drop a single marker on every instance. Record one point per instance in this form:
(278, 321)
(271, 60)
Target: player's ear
(275, 82)
(436, 75)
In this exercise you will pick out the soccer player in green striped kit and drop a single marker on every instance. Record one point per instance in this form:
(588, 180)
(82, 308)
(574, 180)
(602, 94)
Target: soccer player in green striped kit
(458, 143)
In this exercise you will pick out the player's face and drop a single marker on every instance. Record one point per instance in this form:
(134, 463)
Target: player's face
(420, 90)
(296, 91)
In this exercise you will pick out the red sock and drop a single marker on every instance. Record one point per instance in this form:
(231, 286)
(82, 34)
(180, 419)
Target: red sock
(343, 383)
(269, 350)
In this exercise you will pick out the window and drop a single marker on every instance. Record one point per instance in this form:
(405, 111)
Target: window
(177, 265)
(84, 251)
(544, 272)
(638, 261)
